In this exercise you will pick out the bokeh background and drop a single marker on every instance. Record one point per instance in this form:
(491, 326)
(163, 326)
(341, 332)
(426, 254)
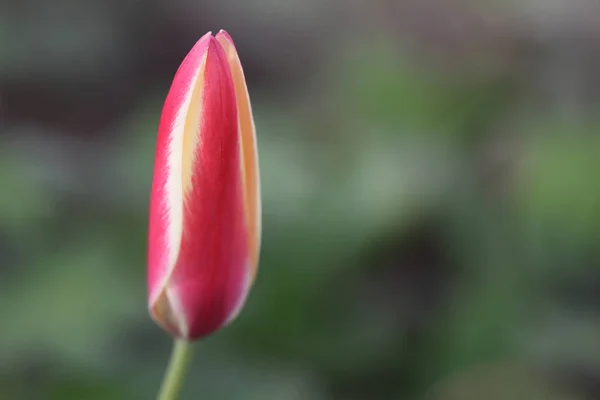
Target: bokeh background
(430, 192)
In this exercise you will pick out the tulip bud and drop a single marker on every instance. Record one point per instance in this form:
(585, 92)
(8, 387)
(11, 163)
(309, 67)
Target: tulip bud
(205, 209)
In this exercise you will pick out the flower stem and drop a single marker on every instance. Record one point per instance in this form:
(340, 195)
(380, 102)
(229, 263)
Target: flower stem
(180, 361)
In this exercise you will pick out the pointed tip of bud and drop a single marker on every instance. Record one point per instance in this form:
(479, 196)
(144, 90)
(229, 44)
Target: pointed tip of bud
(224, 34)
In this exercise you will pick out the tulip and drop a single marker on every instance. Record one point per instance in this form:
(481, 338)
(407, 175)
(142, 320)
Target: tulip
(205, 209)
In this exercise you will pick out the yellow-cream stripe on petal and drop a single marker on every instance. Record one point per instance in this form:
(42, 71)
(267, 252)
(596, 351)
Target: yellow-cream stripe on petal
(248, 151)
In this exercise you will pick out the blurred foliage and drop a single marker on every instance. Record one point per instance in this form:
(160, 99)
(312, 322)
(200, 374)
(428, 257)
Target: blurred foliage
(430, 225)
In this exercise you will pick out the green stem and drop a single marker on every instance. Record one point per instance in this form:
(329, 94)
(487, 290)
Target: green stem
(180, 361)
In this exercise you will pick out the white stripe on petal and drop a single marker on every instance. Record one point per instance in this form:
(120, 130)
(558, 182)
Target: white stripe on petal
(184, 140)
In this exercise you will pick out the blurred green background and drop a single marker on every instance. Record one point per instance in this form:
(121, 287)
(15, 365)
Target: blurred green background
(430, 193)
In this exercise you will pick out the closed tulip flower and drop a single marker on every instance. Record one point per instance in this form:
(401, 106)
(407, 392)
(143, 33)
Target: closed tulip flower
(205, 211)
